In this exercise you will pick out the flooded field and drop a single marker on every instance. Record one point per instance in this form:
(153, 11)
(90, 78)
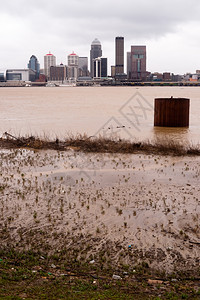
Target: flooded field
(135, 207)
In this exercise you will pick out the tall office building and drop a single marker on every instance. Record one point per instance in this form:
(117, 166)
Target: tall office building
(34, 65)
(95, 52)
(49, 61)
(82, 67)
(73, 66)
(128, 65)
(99, 67)
(119, 55)
(138, 63)
(104, 67)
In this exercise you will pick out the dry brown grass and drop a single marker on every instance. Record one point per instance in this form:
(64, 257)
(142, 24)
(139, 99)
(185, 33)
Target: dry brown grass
(100, 145)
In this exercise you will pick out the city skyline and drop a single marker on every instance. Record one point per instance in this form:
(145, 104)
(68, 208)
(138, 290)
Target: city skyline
(169, 29)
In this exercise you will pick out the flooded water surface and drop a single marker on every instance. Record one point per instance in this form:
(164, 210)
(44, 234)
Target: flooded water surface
(127, 112)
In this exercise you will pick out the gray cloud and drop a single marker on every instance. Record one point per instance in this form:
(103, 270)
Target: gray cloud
(146, 17)
(62, 25)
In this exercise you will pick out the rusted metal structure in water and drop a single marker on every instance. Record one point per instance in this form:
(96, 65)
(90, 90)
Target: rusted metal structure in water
(171, 112)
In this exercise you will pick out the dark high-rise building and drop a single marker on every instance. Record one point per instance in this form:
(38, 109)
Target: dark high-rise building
(128, 65)
(104, 67)
(82, 66)
(119, 55)
(138, 63)
(34, 65)
(95, 52)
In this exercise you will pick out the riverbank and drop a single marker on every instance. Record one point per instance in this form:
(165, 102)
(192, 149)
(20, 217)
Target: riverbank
(99, 83)
(34, 275)
(93, 144)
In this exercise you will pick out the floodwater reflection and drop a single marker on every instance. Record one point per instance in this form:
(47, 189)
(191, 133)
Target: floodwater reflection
(175, 134)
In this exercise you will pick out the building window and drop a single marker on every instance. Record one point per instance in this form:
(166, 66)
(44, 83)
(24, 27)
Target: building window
(138, 56)
(138, 65)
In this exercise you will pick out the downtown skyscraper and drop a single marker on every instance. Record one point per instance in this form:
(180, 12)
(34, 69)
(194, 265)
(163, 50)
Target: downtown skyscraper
(73, 60)
(119, 55)
(138, 63)
(34, 65)
(49, 61)
(95, 52)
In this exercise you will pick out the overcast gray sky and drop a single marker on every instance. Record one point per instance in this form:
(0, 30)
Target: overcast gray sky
(169, 28)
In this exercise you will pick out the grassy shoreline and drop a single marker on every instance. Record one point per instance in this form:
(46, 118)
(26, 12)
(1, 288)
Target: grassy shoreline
(100, 144)
(35, 275)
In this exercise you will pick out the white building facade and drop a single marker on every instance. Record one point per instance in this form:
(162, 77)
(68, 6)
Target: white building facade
(49, 61)
(73, 61)
(96, 68)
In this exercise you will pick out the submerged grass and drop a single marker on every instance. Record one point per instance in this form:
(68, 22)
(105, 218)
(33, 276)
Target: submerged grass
(100, 145)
